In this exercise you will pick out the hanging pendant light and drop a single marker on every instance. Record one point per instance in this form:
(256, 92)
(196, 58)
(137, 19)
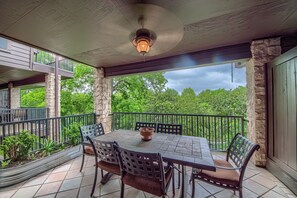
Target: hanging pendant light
(143, 38)
(142, 41)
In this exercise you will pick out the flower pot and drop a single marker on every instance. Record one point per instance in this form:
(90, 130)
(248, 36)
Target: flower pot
(146, 133)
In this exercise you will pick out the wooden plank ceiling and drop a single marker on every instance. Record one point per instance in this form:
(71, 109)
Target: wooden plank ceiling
(97, 32)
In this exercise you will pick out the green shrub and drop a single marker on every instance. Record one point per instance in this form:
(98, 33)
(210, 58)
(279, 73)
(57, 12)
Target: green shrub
(50, 147)
(72, 134)
(18, 147)
(4, 164)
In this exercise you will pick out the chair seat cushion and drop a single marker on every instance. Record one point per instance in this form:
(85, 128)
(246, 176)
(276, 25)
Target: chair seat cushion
(147, 185)
(221, 176)
(111, 168)
(89, 150)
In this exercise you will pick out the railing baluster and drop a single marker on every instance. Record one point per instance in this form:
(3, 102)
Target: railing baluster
(219, 128)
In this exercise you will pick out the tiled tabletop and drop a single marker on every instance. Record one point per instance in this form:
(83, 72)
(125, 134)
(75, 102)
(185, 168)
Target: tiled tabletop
(179, 149)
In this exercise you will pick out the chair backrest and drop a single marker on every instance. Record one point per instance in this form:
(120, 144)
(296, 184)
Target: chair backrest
(145, 124)
(91, 131)
(240, 150)
(147, 165)
(104, 150)
(176, 129)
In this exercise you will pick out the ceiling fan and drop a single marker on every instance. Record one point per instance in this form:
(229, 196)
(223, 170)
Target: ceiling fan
(151, 30)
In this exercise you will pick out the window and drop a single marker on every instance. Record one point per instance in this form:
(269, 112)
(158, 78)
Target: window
(3, 99)
(3, 43)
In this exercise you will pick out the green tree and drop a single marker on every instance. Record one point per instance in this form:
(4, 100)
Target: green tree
(225, 102)
(77, 92)
(163, 102)
(140, 93)
(187, 102)
(33, 97)
(132, 93)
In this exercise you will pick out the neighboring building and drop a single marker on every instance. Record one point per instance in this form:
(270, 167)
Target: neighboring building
(23, 67)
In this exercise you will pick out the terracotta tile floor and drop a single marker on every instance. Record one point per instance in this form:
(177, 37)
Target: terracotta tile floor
(66, 181)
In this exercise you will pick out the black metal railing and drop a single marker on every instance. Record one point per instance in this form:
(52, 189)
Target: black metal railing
(47, 58)
(22, 114)
(66, 64)
(57, 129)
(218, 130)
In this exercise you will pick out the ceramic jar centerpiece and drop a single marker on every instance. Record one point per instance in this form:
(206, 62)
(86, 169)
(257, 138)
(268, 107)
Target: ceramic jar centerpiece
(146, 133)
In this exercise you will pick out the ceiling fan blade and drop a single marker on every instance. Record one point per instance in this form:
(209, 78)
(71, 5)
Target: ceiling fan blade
(167, 27)
(127, 48)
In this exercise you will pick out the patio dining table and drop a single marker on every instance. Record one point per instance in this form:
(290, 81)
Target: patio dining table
(179, 149)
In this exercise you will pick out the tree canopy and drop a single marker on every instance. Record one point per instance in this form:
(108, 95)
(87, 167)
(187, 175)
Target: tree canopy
(140, 93)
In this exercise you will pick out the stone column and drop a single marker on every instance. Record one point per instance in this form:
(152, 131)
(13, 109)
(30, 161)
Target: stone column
(50, 95)
(15, 98)
(102, 99)
(263, 51)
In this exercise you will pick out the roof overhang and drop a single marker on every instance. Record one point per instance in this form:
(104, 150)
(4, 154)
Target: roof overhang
(97, 32)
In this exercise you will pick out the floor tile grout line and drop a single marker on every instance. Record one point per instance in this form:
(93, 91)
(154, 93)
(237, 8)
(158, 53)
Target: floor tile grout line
(14, 193)
(209, 191)
(264, 192)
(61, 182)
(278, 192)
(263, 185)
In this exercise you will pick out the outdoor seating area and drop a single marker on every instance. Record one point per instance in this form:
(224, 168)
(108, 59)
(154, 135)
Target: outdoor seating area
(67, 181)
(148, 99)
(168, 164)
(141, 166)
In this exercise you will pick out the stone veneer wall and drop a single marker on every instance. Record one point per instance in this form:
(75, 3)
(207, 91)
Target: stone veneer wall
(102, 99)
(15, 98)
(263, 51)
(50, 94)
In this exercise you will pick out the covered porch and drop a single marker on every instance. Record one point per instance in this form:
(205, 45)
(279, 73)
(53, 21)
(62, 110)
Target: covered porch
(187, 34)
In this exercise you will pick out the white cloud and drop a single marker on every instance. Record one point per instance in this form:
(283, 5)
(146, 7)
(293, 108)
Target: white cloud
(211, 77)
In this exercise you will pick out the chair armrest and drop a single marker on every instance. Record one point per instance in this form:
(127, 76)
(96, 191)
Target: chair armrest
(228, 168)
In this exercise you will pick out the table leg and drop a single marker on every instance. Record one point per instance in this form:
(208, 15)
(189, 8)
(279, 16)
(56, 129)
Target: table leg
(106, 178)
(184, 184)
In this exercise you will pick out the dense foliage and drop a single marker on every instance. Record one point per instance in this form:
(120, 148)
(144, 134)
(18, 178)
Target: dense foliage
(140, 93)
(18, 147)
(148, 93)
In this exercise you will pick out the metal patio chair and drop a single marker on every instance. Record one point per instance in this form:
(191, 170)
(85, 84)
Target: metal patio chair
(175, 129)
(144, 171)
(138, 125)
(91, 131)
(105, 157)
(227, 176)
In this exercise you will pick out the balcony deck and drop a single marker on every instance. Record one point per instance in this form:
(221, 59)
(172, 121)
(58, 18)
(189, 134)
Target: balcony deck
(67, 181)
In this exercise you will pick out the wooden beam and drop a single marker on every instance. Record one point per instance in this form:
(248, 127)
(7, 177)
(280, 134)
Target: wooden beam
(288, 42)
(4, 86)
(28, 81)
(199, 58)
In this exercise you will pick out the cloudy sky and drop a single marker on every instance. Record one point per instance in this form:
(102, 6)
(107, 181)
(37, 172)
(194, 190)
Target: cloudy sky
(211, 77)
